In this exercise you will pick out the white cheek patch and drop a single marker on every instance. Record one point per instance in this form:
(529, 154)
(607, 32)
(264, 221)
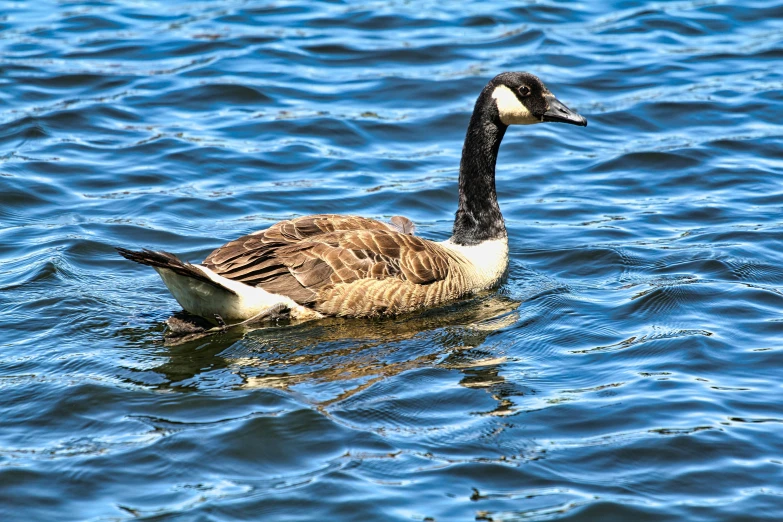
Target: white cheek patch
(512, 112)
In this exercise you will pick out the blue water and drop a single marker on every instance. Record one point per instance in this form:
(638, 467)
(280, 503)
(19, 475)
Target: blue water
(629, 369)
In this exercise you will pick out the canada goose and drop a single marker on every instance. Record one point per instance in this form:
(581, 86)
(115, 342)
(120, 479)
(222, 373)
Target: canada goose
(331, 265)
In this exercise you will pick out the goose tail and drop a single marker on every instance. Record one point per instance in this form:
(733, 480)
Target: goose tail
(167, 260)
(206, 294)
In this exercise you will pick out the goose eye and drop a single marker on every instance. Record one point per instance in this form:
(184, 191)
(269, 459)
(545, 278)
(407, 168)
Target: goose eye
(524, 90)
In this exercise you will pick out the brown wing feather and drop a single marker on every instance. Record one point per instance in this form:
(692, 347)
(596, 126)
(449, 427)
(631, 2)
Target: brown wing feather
(344, 257)
(292, 231)
(301, 257)
(252, 259)
(402, 224)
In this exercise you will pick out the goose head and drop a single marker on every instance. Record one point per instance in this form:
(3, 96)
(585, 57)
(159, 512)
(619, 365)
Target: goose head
(523, 99)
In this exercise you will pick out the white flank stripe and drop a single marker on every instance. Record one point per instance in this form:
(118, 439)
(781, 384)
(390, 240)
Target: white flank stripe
(206, 300)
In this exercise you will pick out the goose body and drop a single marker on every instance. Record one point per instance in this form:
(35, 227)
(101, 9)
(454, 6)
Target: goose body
(333, 265)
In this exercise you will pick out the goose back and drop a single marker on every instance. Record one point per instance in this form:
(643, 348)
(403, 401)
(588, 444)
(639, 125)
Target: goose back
(345, 265)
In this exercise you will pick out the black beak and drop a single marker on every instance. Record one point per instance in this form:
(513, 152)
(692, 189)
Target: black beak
(560, 113)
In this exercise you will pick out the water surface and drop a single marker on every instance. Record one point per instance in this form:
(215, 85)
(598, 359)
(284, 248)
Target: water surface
(629, 369)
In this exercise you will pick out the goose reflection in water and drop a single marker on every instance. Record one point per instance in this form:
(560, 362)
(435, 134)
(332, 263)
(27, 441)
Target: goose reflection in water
(331, 360)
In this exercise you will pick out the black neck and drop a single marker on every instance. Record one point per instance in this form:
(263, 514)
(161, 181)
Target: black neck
(478, 216)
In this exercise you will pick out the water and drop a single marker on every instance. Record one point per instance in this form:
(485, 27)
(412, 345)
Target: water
(629, 369)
